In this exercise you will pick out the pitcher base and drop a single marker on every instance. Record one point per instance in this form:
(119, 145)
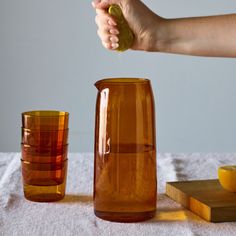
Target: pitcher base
(125, 217)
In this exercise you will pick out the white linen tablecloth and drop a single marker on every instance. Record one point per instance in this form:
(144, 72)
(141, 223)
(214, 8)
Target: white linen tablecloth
(74, 214)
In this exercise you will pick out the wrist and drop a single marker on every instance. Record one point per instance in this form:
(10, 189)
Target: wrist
(160, 36)
(172, 37)
(155, 38)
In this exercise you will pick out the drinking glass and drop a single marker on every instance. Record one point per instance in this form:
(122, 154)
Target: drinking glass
(44, 148)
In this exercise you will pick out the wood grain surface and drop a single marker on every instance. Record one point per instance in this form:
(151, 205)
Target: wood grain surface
(206, 198)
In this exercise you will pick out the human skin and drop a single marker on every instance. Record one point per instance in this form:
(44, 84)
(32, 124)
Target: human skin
(213, 36)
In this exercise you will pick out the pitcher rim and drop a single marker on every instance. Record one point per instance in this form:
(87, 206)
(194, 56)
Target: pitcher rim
(123, 80)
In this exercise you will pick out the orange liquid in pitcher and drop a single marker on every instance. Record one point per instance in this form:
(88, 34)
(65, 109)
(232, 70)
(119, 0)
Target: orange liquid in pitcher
(125, 186)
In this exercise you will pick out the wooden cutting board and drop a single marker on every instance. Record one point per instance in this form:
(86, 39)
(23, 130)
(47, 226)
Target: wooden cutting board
(206, 198)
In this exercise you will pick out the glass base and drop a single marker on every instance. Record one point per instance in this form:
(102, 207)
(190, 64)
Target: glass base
(44, 193)
(125, 217)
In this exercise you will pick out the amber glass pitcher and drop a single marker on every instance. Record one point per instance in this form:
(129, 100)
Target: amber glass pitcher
(125, 185)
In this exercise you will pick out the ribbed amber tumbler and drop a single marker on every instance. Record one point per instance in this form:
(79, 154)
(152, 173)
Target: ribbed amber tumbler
(125, 184)
(45, 120)
(44, 148)
(49, 138)
(44, 182)
(43, 155)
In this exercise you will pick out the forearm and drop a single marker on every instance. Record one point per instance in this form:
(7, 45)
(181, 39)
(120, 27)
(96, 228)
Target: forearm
(200, 36)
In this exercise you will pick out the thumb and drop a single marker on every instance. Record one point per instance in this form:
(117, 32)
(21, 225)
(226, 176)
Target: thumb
(104, 4)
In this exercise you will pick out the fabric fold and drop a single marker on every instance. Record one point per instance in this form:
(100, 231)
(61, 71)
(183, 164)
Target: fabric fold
(74, 214)
(10, 182)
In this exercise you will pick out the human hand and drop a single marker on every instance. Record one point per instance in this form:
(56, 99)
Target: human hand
(141, 20)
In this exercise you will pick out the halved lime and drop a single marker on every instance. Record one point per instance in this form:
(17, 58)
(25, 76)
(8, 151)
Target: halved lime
(126, 36)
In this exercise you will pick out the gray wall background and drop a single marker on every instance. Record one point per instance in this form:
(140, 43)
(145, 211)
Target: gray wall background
(50, 57)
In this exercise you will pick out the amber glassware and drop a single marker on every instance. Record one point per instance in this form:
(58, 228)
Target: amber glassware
(44, 182)
(44, 138)
(44, 148)
(45, 120)
(125, 184)
(43, 155)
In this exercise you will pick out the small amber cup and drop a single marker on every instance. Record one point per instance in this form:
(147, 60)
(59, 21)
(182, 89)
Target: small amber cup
(44, 158)
(38, 151)
(44, 182)
(45, 120)
(44, 151)
(44, 138)
(44, 172)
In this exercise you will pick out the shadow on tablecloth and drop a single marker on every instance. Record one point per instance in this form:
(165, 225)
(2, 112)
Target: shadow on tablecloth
(73, 198)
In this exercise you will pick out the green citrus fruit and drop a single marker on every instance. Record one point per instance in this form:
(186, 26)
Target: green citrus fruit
(126, 36)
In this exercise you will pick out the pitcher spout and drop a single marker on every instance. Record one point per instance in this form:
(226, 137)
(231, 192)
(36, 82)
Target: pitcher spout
(98, 85)
(102, 84)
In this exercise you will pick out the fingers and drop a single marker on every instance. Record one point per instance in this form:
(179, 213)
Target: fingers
(110, 46)
(107, 29)
(109, 41)
(103, 4)
(103, 18)
(109, 37)
(100, 4)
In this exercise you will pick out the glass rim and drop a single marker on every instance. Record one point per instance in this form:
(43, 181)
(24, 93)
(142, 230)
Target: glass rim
(61, 155)
(39, 147)
(43, 130)
(43, 163)
(39, 113)
(124, 80)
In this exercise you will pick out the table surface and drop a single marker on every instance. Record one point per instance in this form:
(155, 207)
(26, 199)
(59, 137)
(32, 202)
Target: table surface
(74, 214)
